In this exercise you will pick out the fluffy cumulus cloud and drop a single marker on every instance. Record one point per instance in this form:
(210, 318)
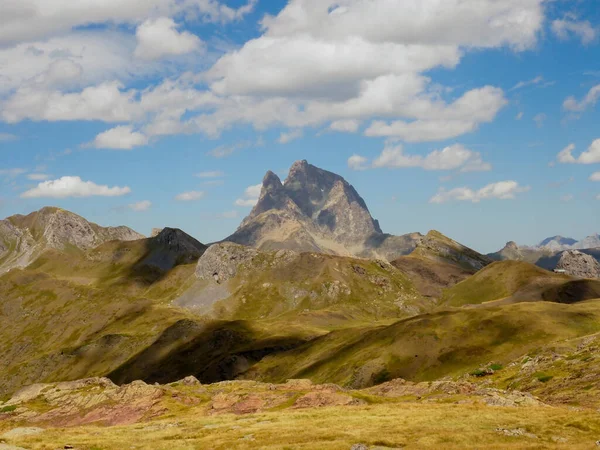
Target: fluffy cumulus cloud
(120, 138)
(143, 205)
(595, 176)
(590, 156)
(571, 104)
(26, 20)
(105, 102)
(250, 197)
(570, 26)
(503, 190)
(454, 157)
(190, 196)
(157, 38)
(71, 186)
(320, 63)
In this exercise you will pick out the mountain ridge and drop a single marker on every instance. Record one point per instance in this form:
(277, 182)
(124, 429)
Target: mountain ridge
(24, 237)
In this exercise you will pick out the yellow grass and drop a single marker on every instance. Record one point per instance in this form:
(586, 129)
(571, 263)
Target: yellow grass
(404, 425)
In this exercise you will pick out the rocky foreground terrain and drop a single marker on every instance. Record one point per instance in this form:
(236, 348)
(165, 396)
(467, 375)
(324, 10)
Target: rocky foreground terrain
(484, 405)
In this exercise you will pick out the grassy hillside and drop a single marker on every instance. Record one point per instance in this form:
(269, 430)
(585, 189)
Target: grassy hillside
(429, 276)
(515, 281)
(431, 346)
(74, 314)
(317, 285)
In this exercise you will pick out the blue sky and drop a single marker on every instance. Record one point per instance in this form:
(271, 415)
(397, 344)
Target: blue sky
(477, 118)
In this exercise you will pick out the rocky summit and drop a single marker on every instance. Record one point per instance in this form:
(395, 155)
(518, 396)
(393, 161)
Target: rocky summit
(24, 238)
(317, 210)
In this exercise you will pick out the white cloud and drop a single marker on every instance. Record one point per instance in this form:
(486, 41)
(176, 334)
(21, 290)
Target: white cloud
(287, 137)
(332, 63)
(454, 157)
(7, 137)
(250, 197)
(564, 28)
(119, 138)
(440, 122)
(595, 176)
(571, 104)
(211, 174)
(598, 197)
(70, 186)
(105, 102)
(503, 190)
(522, 84)
(190, 196)
(315, 64)
(157, 38)
(24, 20)
(144, 205)
(357, 162)
(345, 126)
(38, 176)
(71, 61)
(590, 156)
(519, 116)
(539, 119)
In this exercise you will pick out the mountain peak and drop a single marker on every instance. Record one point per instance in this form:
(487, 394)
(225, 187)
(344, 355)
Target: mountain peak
(511, 245)
(271, 180)
(312, 210)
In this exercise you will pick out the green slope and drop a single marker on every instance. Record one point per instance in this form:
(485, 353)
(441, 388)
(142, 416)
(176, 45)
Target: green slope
(515, 281)
(430, 346)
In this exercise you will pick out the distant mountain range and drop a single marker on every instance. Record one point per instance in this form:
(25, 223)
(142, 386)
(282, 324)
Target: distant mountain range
(559, 243)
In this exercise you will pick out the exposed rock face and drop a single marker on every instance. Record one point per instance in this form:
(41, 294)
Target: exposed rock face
(579, 264)
(172, 247)
(316, 210)
(23, 238)
(155, 232)
(221, 261)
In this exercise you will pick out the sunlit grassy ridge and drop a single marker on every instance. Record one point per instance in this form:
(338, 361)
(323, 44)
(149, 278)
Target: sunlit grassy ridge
(431, 346)
(519, 281)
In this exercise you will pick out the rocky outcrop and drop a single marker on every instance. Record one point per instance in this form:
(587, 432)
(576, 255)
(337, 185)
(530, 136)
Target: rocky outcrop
(172, 247)
(24, 238)
(316, 210)
(221, 261)
(578, 264)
